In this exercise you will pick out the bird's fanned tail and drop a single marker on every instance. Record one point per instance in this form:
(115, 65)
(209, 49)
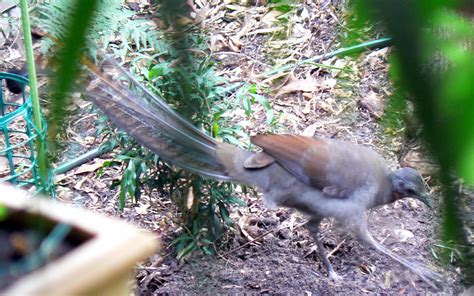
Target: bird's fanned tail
(152, 122)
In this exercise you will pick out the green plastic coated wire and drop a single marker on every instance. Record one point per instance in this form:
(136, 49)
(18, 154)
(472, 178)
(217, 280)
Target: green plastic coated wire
(342, 51)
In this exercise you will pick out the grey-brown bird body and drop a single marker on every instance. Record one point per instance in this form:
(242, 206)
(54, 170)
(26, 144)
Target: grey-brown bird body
(312, 175)
(321, 178)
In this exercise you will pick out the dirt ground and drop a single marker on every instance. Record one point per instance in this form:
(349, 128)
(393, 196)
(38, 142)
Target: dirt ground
(270, 252)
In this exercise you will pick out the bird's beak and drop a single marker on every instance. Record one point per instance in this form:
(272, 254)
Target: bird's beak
(426, 199)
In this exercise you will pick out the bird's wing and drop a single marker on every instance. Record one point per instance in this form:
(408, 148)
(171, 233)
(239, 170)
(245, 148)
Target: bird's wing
(335, 168)
(304, 157)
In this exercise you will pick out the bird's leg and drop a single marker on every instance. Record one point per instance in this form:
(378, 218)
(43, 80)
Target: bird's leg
(313, 227)
(362, 232)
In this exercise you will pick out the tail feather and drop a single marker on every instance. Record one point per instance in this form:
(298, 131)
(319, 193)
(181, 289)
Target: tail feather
(148, 118)
(152, 122)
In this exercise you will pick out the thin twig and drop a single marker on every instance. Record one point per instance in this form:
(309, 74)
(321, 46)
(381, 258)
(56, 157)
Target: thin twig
(336, 248)
(239, 54)
(248, 243)
(260, 236)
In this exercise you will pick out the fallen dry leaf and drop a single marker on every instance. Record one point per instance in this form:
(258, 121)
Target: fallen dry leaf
(310, 130)
(338, 64)
(78, 185)
(376, 59)
(190, 199)
(242, 226)
(4, 164)
(367, 268)
(59, 178)
(388, 279)
(88, 168)
(249, 23)
(403, 235)
(94, 197)
(373, 102)
(308, 106)
(309, 84)
(235, 44)
(329, 83)
(142, 209)
(217, 42)
(271, 17)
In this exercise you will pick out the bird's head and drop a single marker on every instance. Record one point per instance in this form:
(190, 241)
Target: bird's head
(407, 182)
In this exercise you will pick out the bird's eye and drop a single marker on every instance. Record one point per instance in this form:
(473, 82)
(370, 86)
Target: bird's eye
(411, 191)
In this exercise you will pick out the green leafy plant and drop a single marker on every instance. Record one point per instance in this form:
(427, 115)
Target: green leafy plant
(187, 79)
(3, 212)
(206, 215)
(247, 96)
(190, 85)
(173, 63)
(109, 17)
(283, 5)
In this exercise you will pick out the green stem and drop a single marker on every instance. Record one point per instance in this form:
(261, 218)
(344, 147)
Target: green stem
(40, 143)
(342, 51)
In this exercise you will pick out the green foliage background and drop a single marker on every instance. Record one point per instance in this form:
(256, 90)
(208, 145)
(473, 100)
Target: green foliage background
(173, 62)
(433, 67)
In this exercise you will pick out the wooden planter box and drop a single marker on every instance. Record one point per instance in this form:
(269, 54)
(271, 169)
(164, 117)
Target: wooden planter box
(102, 265)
